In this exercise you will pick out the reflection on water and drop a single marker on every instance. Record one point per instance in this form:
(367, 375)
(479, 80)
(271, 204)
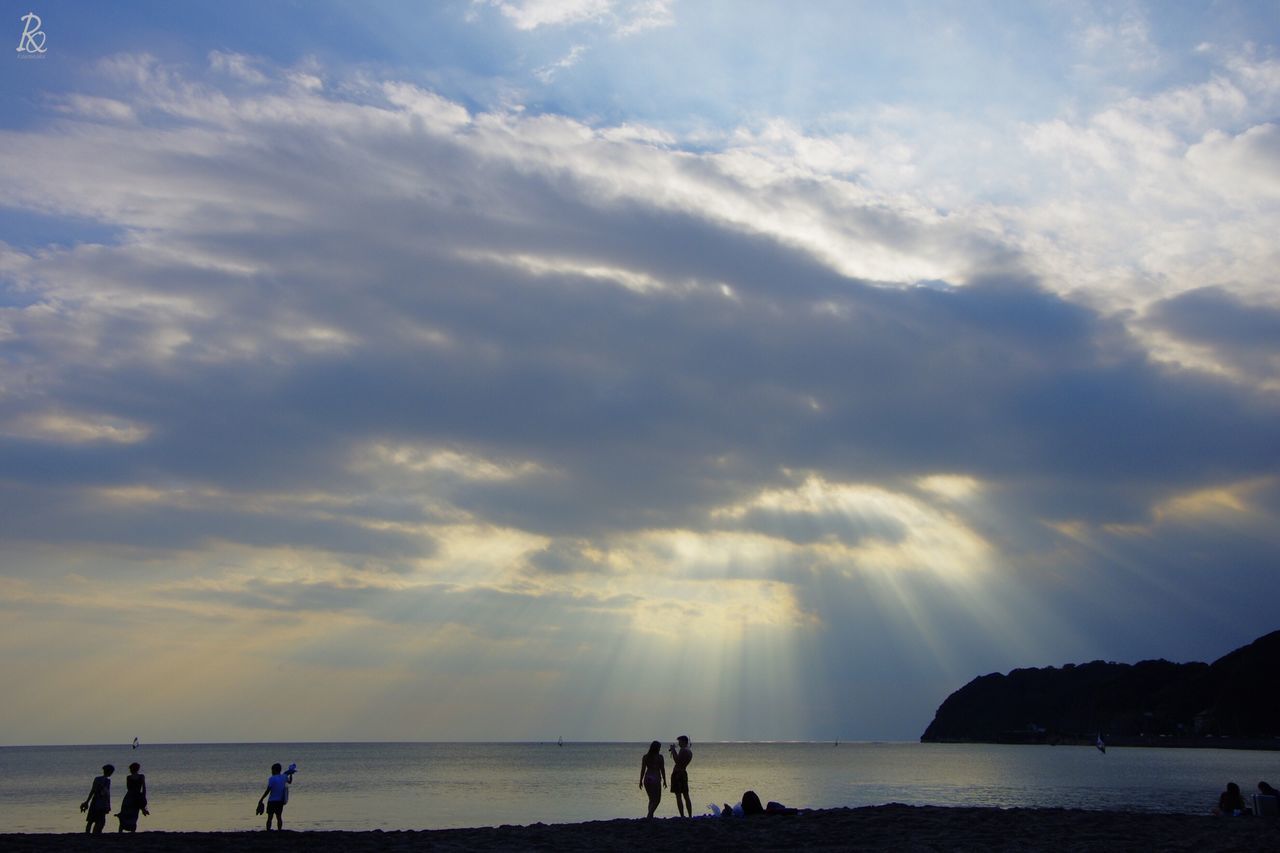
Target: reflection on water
(431, 786)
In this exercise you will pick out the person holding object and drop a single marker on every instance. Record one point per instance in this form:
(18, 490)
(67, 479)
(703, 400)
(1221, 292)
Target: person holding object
(98, 803)
(653, 770)
(276, 794)
(135, 799)
(680, 775)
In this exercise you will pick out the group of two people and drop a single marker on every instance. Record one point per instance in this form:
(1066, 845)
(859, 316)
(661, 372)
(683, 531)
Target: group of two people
(97, 805)
(1231, 801)
(653, 775)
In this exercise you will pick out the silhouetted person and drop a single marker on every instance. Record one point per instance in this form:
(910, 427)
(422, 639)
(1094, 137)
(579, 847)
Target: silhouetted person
(751, 804)
(1231, 802)
(135, 799)
(1267, 801)
(680, 775)
(98, 804)
(276, 795)
(653, 775)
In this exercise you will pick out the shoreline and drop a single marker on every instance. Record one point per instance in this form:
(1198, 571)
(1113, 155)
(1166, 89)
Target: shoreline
(874, 828)
(1267, 744)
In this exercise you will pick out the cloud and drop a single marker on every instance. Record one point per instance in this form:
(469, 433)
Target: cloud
(356, 352)
(1240, 334)
(531, 14)
(1122, 38)
(1245, 166)
(548, 72)
(302, 333)
(626, 17)
(236, 65)
(562, 557)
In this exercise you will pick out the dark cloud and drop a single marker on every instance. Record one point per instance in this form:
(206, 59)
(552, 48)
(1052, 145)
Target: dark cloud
(566, 557)
(1241, 333)
(649, 408)
(31, 513)
(485, 611)
(303, 289)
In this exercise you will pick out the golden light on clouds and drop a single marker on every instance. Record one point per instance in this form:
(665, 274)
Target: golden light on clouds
(541, 265)
(951, 486)
(1217, 502)
(75, 428)
(891, 531)
(426, 460)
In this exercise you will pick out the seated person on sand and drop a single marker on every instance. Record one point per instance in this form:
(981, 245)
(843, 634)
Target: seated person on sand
(1231, 802)
(751, 806)
(1266, 802)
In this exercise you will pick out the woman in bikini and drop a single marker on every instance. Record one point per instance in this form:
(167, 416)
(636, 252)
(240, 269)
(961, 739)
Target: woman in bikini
(653, 775)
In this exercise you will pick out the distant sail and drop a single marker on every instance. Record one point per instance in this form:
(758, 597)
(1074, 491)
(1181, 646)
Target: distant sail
(560, 741)
(135, 743)
(1102, 747)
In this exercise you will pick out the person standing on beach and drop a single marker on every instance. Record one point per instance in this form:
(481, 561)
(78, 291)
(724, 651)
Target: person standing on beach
(680, 775)
(98, 804)
(278, 791)
(653, 775)
(135, 799)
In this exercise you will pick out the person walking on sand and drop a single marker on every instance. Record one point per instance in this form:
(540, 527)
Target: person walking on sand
(98, 804)
(653, 775)
(276, 795)
(680, 775)
(135, 799)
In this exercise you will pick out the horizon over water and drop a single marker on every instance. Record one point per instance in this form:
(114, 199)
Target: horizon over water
(423, 785)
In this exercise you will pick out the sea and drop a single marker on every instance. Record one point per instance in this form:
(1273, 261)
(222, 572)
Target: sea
(390, 786)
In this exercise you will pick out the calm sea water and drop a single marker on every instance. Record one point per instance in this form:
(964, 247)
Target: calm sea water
(440, 785)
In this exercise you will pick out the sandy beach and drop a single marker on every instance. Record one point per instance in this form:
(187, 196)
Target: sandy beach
(889, 827)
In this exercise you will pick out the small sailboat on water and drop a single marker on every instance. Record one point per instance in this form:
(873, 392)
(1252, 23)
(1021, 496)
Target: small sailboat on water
(135, 743)
(1102, 747)
(560, 741)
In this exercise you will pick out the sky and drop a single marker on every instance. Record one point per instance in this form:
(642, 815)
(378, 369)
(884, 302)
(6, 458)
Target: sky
(608, 370)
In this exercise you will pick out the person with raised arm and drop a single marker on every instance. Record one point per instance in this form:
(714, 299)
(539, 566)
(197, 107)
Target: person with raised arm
(680, 775)
(276, 795)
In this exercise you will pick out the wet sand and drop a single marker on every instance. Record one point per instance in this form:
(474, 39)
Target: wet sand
(881, 828)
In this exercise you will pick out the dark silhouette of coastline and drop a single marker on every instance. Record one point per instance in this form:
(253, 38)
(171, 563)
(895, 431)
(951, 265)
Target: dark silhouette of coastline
(1233, 703)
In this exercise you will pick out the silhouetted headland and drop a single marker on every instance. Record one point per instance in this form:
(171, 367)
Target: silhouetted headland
(1233, 703)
